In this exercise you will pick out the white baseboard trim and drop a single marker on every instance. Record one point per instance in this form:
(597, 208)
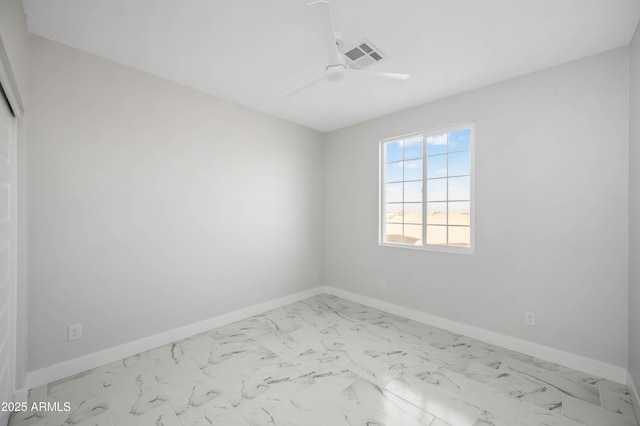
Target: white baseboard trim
(97, 359)
(635, 397)
(591, 366)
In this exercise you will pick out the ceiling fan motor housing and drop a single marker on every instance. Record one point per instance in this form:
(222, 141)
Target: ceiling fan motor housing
(336, 73)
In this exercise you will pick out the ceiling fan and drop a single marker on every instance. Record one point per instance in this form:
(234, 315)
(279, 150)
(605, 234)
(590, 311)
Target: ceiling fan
(336, 69)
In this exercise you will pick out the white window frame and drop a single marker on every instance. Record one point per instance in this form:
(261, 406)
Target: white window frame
(382, 193)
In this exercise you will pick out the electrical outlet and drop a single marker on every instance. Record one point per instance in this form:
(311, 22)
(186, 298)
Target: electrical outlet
(383, 285)
(315, 274)
(74, 332)
(530, 319)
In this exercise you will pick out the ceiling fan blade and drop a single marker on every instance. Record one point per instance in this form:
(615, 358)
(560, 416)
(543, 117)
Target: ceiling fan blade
(385, 75)
(305, 86)
(324, 11)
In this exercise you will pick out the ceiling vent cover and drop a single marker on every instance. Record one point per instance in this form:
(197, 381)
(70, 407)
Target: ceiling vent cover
(362, 55)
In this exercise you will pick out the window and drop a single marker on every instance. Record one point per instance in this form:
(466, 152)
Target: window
(426, 197)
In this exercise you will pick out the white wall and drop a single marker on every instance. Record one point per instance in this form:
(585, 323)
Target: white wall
(153, 206)
(13, 30)
(551, 211)
(634, 210)
(15, 39)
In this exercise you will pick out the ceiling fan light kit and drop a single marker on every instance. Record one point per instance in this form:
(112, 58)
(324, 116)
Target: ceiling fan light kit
(336, 72)
(352, 62)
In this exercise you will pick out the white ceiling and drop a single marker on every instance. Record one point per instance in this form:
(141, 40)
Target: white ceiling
(251, 51)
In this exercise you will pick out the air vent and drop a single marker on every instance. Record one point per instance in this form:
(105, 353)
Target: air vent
(362, 55)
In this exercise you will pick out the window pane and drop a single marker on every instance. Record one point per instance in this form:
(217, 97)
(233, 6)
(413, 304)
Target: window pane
(413, 170)
(393, 233)
(413, 213)
(437, 144)
(413, 234)
(393, 213)
(437, 190)
(460, 236)
(413, 148)
(460, 140)
(459, 164)
(437, 166)
(437, 213)
(392, 151)
(437, 235)
(393, 193)
(393, 172)
(460, 213)
(460, 188)
(428, 202)
(413, 191)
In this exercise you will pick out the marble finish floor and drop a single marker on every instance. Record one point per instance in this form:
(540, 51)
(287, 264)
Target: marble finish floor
(327, 361)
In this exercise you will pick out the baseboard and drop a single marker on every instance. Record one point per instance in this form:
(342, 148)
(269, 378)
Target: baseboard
(635, 397)
(97, 359)
(591, 366)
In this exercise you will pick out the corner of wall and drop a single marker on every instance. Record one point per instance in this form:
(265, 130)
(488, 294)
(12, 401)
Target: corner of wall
(634, 229)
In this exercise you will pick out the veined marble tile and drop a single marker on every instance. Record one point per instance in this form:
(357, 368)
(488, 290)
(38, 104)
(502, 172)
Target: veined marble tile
(548, 378)
(248, 377)
(616, 402)
(516, 386)
(403, 361)
(217, 412)
(371, 315)
(330, 309)
(200, 349)
(14, 421)
(613, 387)
(498, 352)
(133, 395)
(323, 302)
(161, 415)
(321, 372)
(299, 315)
(438, 422)
(449, 360)
(465, 348)
(102, 419)
(85, 394)
(386, 407)
(282, 344)
(29, 417)
(441, 404)
(588, 414)
(353, 337)
(533, 415)
(571, 374)
(296, 405)
(410, 332)
(327, 361)
(476, 393)
(367, 336)
(487, 418)
(236, 357)
(183, 384)
(250, 327)
(482, 352)
(430, 333)
(364, 366)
